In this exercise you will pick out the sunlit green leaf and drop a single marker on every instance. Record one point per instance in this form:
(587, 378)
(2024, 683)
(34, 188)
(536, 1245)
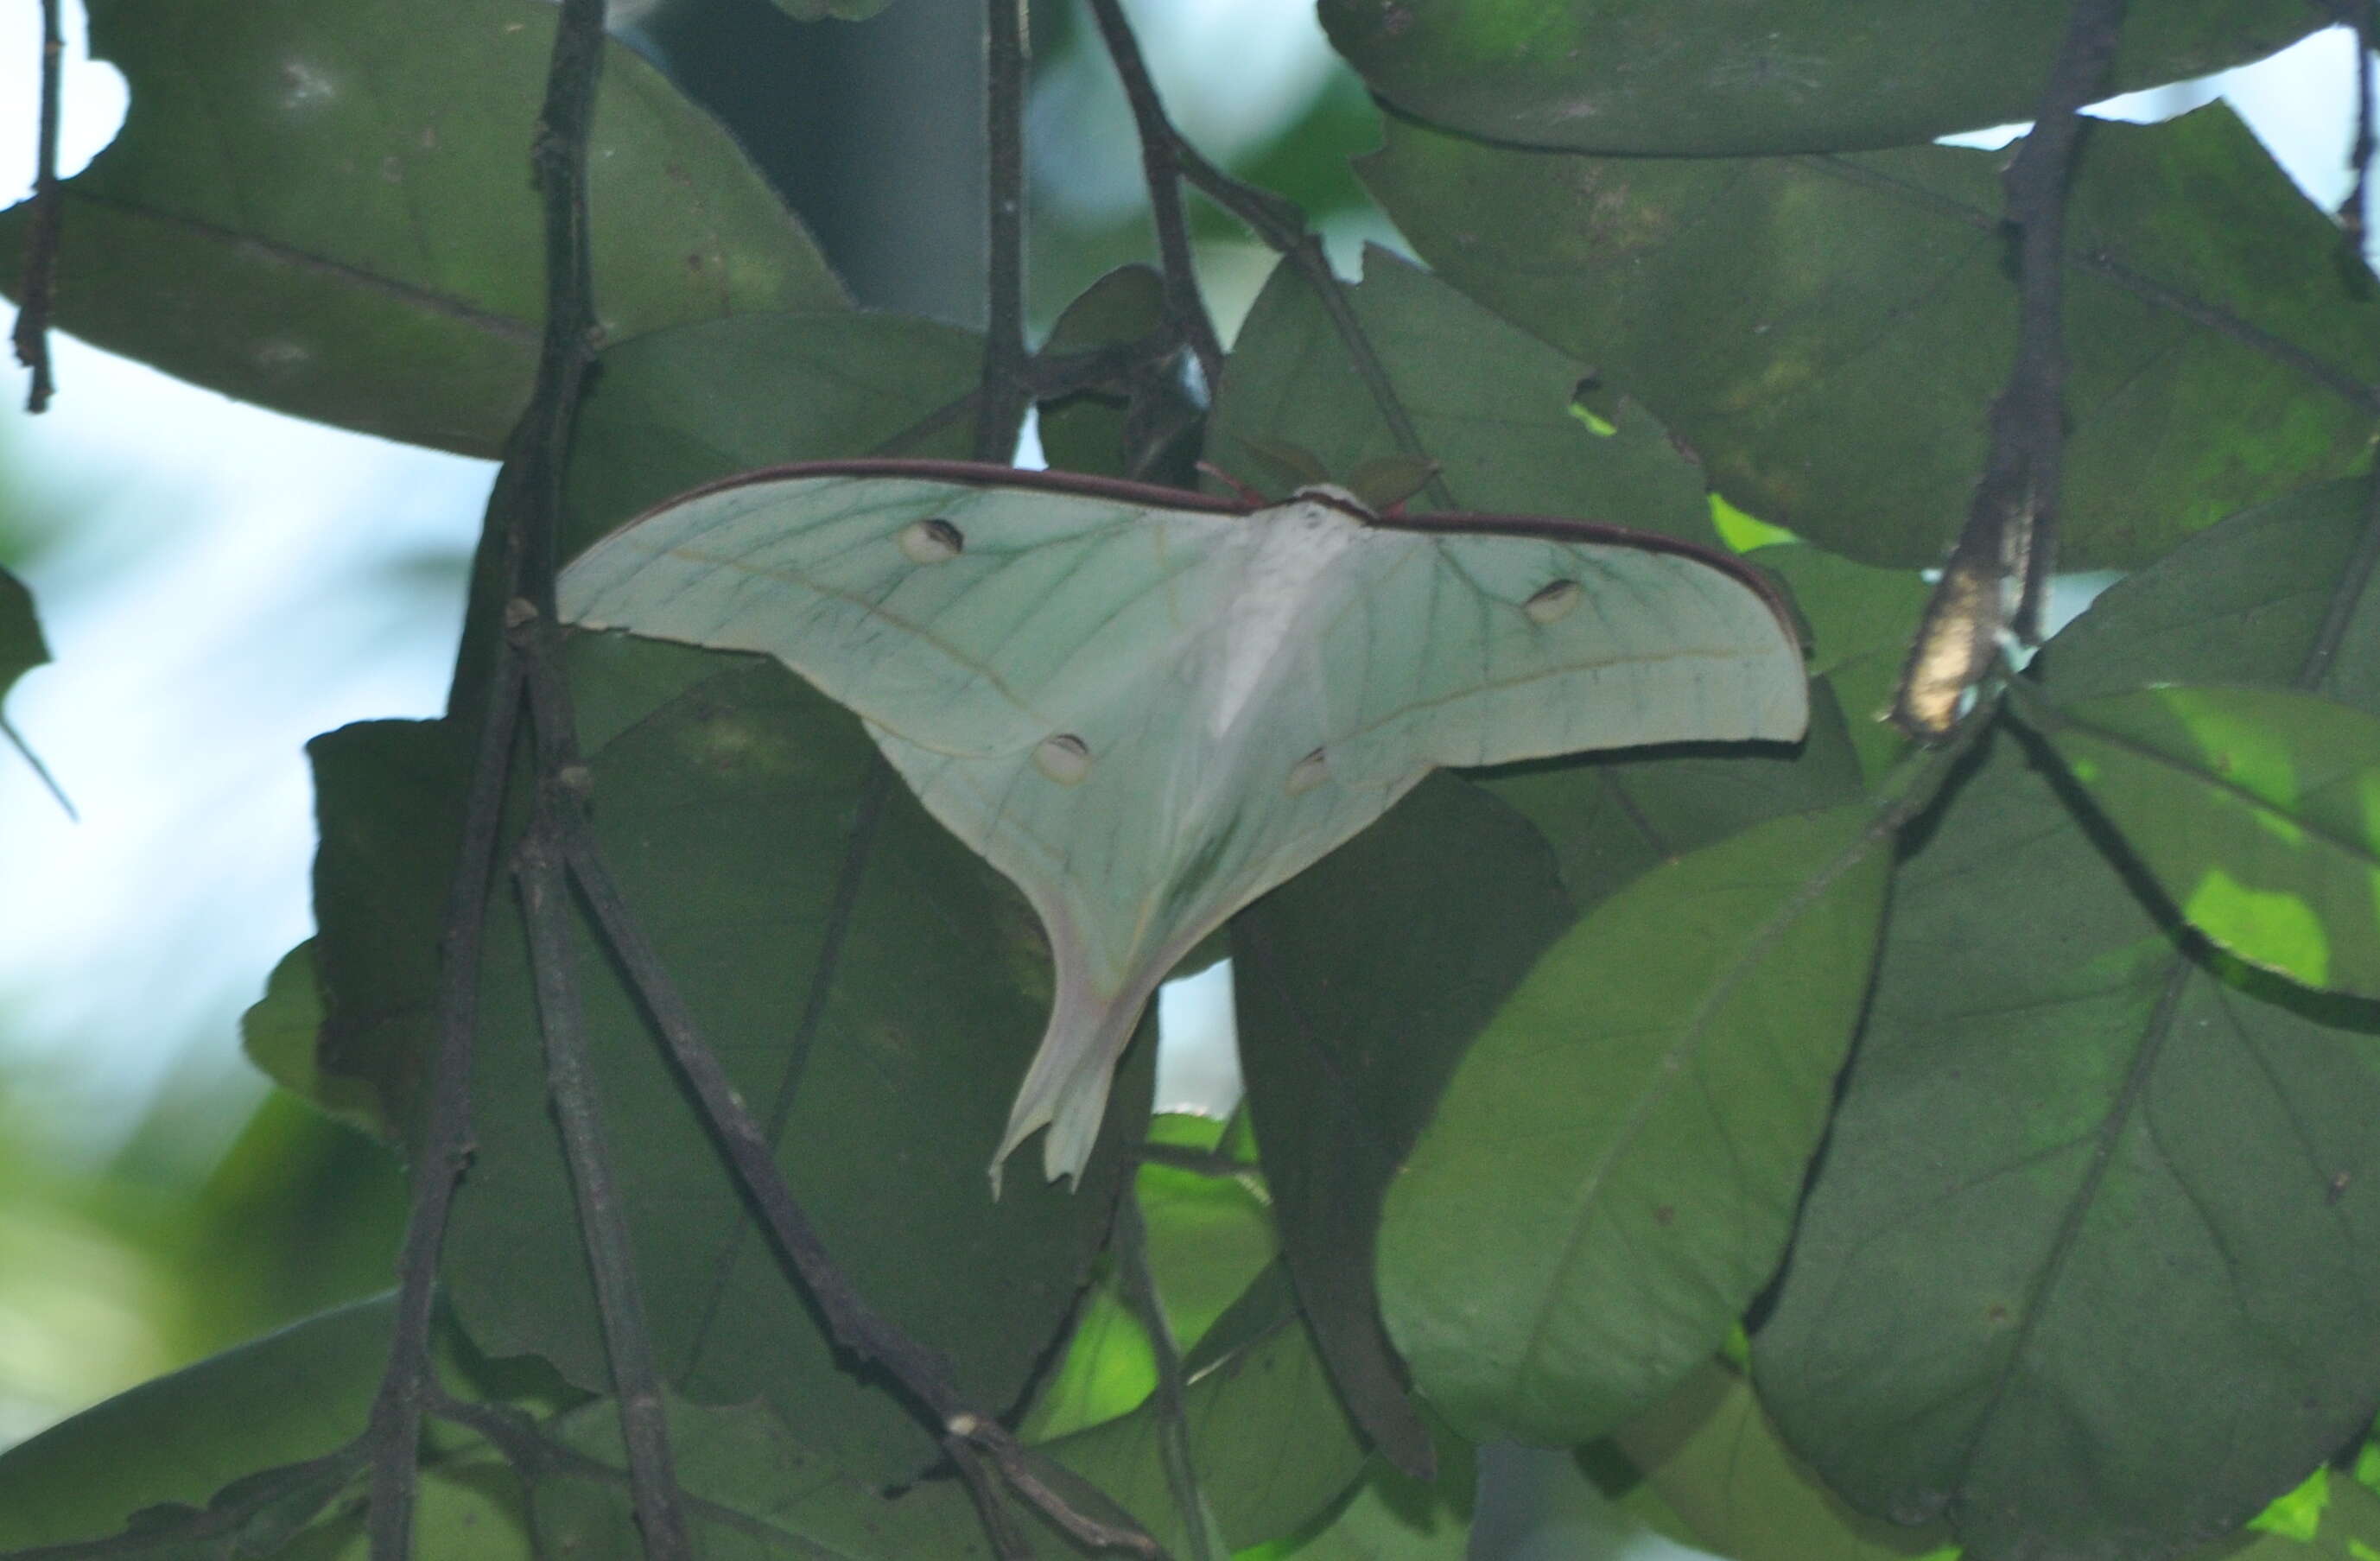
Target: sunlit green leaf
(1272, 1447)
(328, 210)
(2257, 811)
(1209, 1236)
(1828, 332)
(1614, 1169)
(1712, 80)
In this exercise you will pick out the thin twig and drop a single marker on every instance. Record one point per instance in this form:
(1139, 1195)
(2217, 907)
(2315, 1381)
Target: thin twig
(2010, 540)
(38, 291)
(395, 1430)
(1282, 225)
(1139, 1285)
(1161, 170)
(1000, 415)
(525, 513)
(619, 1302)
(919, 1374)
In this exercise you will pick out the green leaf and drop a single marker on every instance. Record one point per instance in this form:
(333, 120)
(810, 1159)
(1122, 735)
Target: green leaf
(388, 800)
(1721, 1469)
(2344, 1518)
(289, 1396)
(1209, 1237)
(281, 1033)
(328, 211)
(21, 646)
(873, 989)
(1622, 1149)
(750, 1489)
(1141, 424)
(1610, 818)
(1491, 405)
(1860, 621)
(230, 1457)
(2091, 1263)
(1828, 332)
(1707, 78)
(682, 407)
(1360, 984)
(21, 649)
(1392, 1517)
(2241, 602)
(2256, 811)
(1271, 1445)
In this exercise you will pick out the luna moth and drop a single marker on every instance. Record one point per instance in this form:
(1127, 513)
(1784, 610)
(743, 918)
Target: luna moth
(1146, 707)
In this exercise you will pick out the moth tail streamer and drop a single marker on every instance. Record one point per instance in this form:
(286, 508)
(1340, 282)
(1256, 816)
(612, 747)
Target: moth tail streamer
(1066, 1088)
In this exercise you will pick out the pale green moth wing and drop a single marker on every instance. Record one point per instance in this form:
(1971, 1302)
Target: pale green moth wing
(1148, 709)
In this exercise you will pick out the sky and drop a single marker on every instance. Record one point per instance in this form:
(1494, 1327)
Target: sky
(303, 577)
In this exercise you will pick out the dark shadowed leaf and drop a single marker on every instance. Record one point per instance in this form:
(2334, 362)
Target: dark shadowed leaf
(2091, 1264)
(2241, 602)
(388, 806)
(21, 646)
(1827, 332)
(679, 408)
(1712, 80)
(1496, 409)
(2257, 812)
(1145, 424)
(1622, 1149)
(752, 1492)
(1360, 982)
(329, 210)
(1725, 1476)
(875, 991)
(21, 649)
(1272, 1447)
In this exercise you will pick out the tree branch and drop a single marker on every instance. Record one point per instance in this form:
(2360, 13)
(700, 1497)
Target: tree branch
(38, 290)
(524, 513)
(999, 417)
(619, 1301)
(1282, 225)
(2009, 541)
(1139, 1285)
(1161, 170)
